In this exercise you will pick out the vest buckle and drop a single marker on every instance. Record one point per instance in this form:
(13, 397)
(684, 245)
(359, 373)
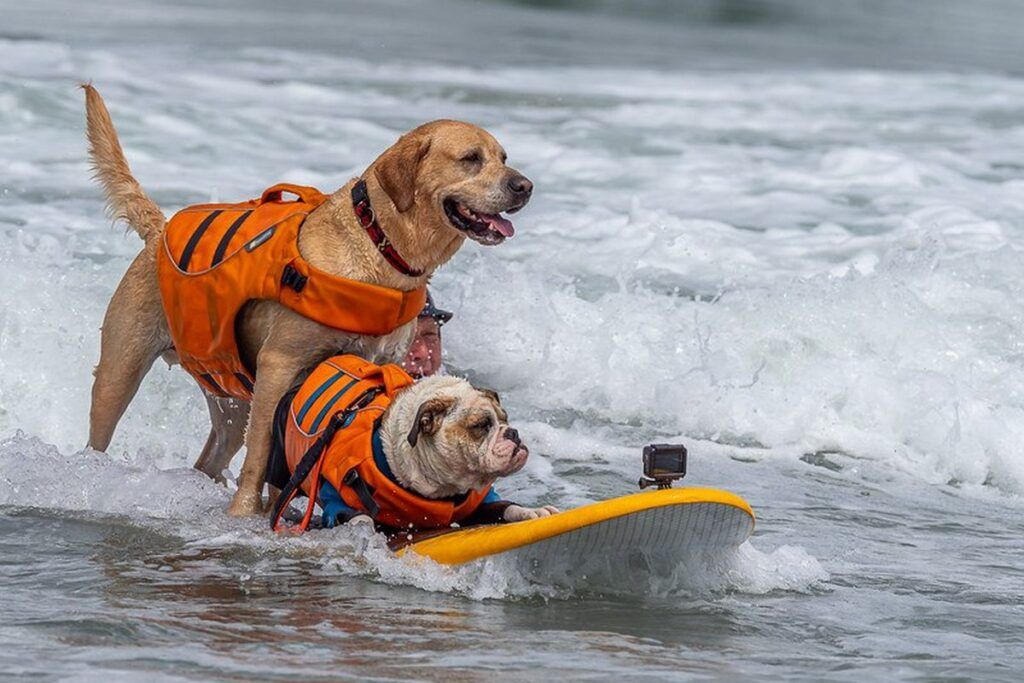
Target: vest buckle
(293, 278)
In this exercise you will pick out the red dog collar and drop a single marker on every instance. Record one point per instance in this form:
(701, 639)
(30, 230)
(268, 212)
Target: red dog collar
(367, 218)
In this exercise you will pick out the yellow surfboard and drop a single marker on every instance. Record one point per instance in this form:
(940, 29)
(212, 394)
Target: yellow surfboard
(660, 526)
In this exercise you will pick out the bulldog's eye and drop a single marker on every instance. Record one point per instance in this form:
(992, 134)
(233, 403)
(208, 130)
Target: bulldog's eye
(483, 425)
(472, 157)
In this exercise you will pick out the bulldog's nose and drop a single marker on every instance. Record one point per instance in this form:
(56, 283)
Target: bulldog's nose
(520, 186)
(512, 435)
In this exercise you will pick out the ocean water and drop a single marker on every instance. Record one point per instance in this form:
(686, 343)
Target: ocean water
(798, 252)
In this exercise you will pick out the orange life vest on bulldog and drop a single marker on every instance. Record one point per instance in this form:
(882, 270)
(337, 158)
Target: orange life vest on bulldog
(214, 258)
(327, 431)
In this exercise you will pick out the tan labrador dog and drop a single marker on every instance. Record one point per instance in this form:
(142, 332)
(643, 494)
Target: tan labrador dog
(443, 438)
(439, 184)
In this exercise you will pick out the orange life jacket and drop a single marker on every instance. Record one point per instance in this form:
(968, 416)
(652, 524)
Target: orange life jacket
(216, 257)
(328, 433)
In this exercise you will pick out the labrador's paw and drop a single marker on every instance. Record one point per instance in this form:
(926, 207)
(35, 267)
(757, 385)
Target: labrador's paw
(245, 505)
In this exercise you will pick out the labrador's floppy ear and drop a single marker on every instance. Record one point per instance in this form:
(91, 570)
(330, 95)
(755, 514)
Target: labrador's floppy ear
(396, 168)
(429, 417)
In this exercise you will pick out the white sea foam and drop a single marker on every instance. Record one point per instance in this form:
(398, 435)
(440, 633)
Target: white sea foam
(766, 264)
(187, 504)
(810, 277)
(913, 362)
(37, 475)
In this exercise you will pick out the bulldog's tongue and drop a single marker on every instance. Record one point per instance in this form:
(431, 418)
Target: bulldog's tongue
(499, 223)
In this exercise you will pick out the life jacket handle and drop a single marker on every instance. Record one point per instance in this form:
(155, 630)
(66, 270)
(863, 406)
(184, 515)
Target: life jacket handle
(308, 195)
(392, 376)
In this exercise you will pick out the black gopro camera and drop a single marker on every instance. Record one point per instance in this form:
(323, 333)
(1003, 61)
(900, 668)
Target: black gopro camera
(663, 464)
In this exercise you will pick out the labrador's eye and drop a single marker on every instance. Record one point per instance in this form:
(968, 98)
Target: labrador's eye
(472, 157)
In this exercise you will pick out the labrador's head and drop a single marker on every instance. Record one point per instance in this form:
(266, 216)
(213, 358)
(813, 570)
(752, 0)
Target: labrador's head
(449, 179)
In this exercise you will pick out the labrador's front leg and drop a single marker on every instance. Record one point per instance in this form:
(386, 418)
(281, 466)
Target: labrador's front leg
(293, 345)
(274, 376)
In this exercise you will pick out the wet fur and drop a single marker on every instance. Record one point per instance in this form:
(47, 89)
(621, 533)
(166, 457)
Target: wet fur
(452, 457)
(406, 185)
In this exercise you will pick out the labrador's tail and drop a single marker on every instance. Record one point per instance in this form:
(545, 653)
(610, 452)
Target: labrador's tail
(125, 197)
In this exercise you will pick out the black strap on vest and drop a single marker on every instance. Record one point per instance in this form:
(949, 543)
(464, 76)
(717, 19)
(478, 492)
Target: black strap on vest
(278, 473)
(363, 491)
(315, 453)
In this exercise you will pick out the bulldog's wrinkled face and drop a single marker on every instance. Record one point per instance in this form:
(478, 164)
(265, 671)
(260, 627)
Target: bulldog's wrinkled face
(456, 173)
(456, 439)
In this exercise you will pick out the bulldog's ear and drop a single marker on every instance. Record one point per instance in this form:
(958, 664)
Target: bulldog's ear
(429, 418)
(397, 167)
(493, 395)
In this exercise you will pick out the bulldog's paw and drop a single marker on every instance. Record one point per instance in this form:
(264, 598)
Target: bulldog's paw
(517, 513)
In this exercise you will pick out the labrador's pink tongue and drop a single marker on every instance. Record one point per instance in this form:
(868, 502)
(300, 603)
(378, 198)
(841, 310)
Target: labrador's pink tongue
(499, 223)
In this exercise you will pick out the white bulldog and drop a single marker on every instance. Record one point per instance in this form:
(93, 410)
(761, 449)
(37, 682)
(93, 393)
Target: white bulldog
(442, 437)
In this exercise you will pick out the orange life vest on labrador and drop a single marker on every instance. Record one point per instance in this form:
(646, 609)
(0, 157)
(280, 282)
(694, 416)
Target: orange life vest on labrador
(216, 257)
(329, 431)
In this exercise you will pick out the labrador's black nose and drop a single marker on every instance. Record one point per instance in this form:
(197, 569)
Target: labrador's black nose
(520, 186)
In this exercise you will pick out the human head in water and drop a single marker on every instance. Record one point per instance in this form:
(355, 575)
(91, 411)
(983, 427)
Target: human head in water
(424, 356)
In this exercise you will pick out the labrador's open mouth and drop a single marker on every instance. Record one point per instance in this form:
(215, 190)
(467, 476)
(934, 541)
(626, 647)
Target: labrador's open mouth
(485, 228)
